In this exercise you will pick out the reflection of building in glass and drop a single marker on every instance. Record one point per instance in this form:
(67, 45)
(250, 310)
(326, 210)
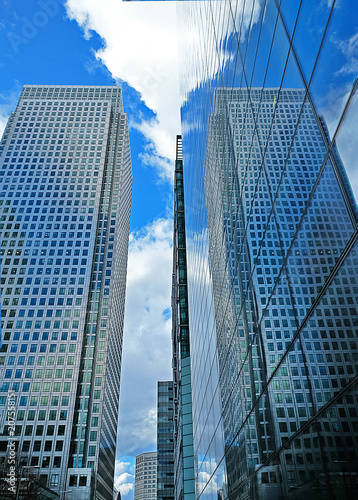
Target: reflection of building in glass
(165, 441)
(145, 486)
(271, 230)
(277, 229)
(183, 422)
(65, 206)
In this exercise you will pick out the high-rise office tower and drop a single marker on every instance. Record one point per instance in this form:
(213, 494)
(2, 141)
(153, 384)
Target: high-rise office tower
(65, 207)
(165, 441)
(145, 486)
(271, 233)
(184, 484)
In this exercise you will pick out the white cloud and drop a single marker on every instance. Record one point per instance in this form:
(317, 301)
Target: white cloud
(140, 47)
(225, 52)
(349, 49)
(203, 481)
(150, 156)
(123, 487)
(121, 467)
(3, 120)
(124, 480)
(147, 335)
(8, 101)
(208, 468)
(212, 477)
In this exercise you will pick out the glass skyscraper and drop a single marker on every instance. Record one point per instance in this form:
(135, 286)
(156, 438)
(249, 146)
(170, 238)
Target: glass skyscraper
(184, 484)
(65, 207)
(271, 241)
(165, 441)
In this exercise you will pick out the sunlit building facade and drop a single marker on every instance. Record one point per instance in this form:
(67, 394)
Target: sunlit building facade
(145, 485)
(65, 207)
(271, 234)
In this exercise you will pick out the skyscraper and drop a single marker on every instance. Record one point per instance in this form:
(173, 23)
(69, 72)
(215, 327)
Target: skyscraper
(271, 233)
(184, 484)
(145, 486)
(165, 441)
(65, 206)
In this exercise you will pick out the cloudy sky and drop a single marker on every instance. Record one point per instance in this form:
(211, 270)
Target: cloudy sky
(151, 69)
(95, 43)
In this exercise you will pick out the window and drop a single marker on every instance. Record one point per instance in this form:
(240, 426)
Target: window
(59, 445)
(42, 415)
(73, 480)
(91, 451)
(39, 430)
(65, 400)
(55, 480)
(48, 446)
(26, 446)
(37, 446)
(28, 430)
(83, 480)
(50, 430)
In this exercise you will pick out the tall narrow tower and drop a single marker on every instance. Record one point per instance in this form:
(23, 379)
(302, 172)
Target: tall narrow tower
(65, 207)
(184, 484)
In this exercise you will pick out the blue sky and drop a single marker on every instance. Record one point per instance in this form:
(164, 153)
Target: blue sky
(53, 42)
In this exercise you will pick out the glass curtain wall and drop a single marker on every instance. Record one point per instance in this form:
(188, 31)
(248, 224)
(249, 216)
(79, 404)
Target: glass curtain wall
(268, 111)
(165, 441)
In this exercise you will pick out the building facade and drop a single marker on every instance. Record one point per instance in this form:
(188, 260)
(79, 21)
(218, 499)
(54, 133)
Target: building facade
(65, 207)
(145, 485)
(165, 441)
(271, 234)
(184, 484)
